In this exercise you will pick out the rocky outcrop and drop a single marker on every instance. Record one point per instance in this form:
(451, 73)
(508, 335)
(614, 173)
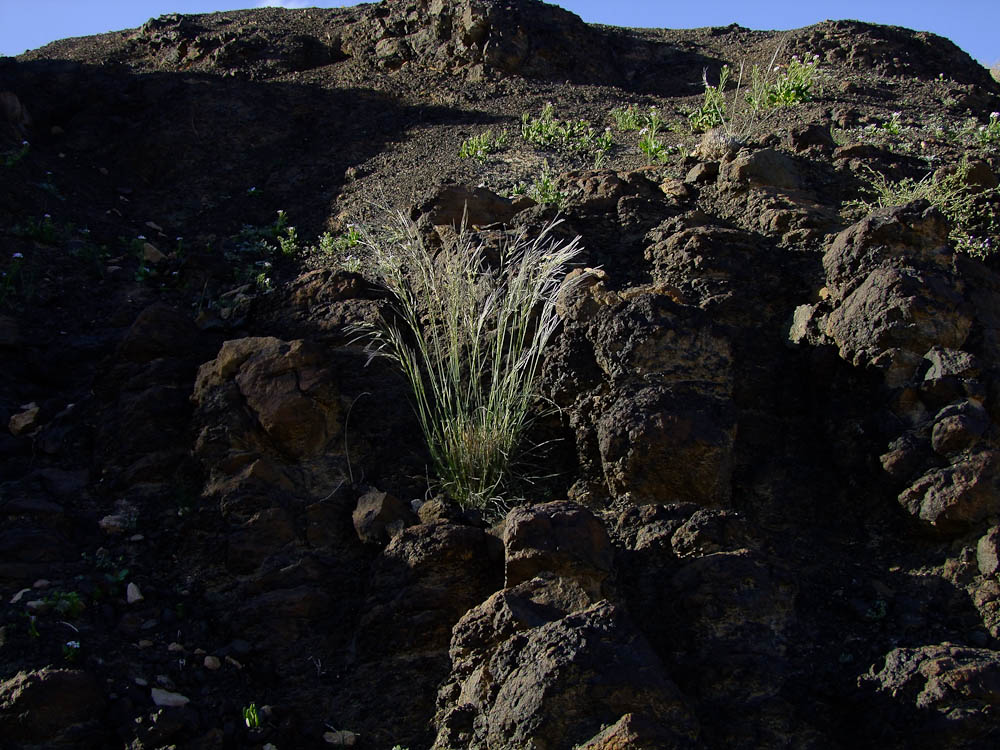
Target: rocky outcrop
(951, 691)
(654, 418)
(59, 708)
(549, 659)
(423, 582)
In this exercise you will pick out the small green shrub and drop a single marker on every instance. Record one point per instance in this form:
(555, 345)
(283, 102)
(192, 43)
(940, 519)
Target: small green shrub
(988, 135)
(973, 216)
(628, 118)
(783, 85)
(9, 158)
(12, 279)
(712, 112)
(480, 146)
(573, 136)
(469, 335)
(543, 190)
(251, 716)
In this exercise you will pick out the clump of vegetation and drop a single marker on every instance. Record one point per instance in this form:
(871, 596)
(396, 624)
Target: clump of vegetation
(573, 136)
(712, 112)
(971, 213)
(480, 146)
(770, 88)
(656, 151)
(9, 158)
(251, 716)
(13, 280)
(543, 190)
(469, 335)
(783, 85)
(629, 118)
(988, 135)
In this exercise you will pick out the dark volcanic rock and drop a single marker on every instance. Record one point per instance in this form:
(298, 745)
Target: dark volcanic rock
(53, 708)
(560, 682)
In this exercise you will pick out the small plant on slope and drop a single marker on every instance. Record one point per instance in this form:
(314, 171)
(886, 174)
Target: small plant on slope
(975, 224)
(470, 340)
(480, 146)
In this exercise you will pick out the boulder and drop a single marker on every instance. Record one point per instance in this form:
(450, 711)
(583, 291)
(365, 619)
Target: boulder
(951, 691)
(662, 445)
(562, 538)
(557, 684)
(264, 396)
(952, 498)
(52, 708)
(158, 331)
(422, 583)
(988, 552)
(766, 167)
(453, 204)
(380, 516)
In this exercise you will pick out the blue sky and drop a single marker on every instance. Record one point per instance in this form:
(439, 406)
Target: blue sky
(974, 25)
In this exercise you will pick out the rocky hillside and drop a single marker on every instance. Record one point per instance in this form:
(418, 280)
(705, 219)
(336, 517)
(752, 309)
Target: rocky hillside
(765, 514)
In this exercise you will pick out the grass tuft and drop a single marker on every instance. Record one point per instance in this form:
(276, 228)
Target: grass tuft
(469, 335)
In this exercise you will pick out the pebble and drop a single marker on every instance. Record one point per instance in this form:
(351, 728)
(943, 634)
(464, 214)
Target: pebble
(25, 421)
(212, 663)
(166, 698)
(141, 682)
(175, 648)
(144, 643)
(343, 738)
(133, 594)
(38, 606)
(233, 663)
(136, 538)
(113, 524)
(41, 583)
(19, 595)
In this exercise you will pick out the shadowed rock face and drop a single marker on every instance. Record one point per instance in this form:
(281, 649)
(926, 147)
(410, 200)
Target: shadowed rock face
(761, 514)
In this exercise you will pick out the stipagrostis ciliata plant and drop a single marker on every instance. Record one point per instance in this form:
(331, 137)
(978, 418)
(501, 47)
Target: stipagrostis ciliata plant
(468, 332)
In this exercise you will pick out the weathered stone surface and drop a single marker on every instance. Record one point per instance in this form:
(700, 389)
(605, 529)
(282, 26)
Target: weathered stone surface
(633, 732)
(480, 206)
(40, 708)
(708, 531)
(561, 538)
(423, 582)
(380, 516)
(913, 236)
(158, 331)
(988, 552)
(25, 421)
(958, 427)
(894, 316)
(560, 682)
(950, 499)
(665, 446)
(266, 399)
(956, 689)
(167, 698)
(259, 537)
(812, 136)
(952, 374)
(764, 167)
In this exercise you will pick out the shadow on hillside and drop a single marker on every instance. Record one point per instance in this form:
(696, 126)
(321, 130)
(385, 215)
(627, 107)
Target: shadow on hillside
(208, 151)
